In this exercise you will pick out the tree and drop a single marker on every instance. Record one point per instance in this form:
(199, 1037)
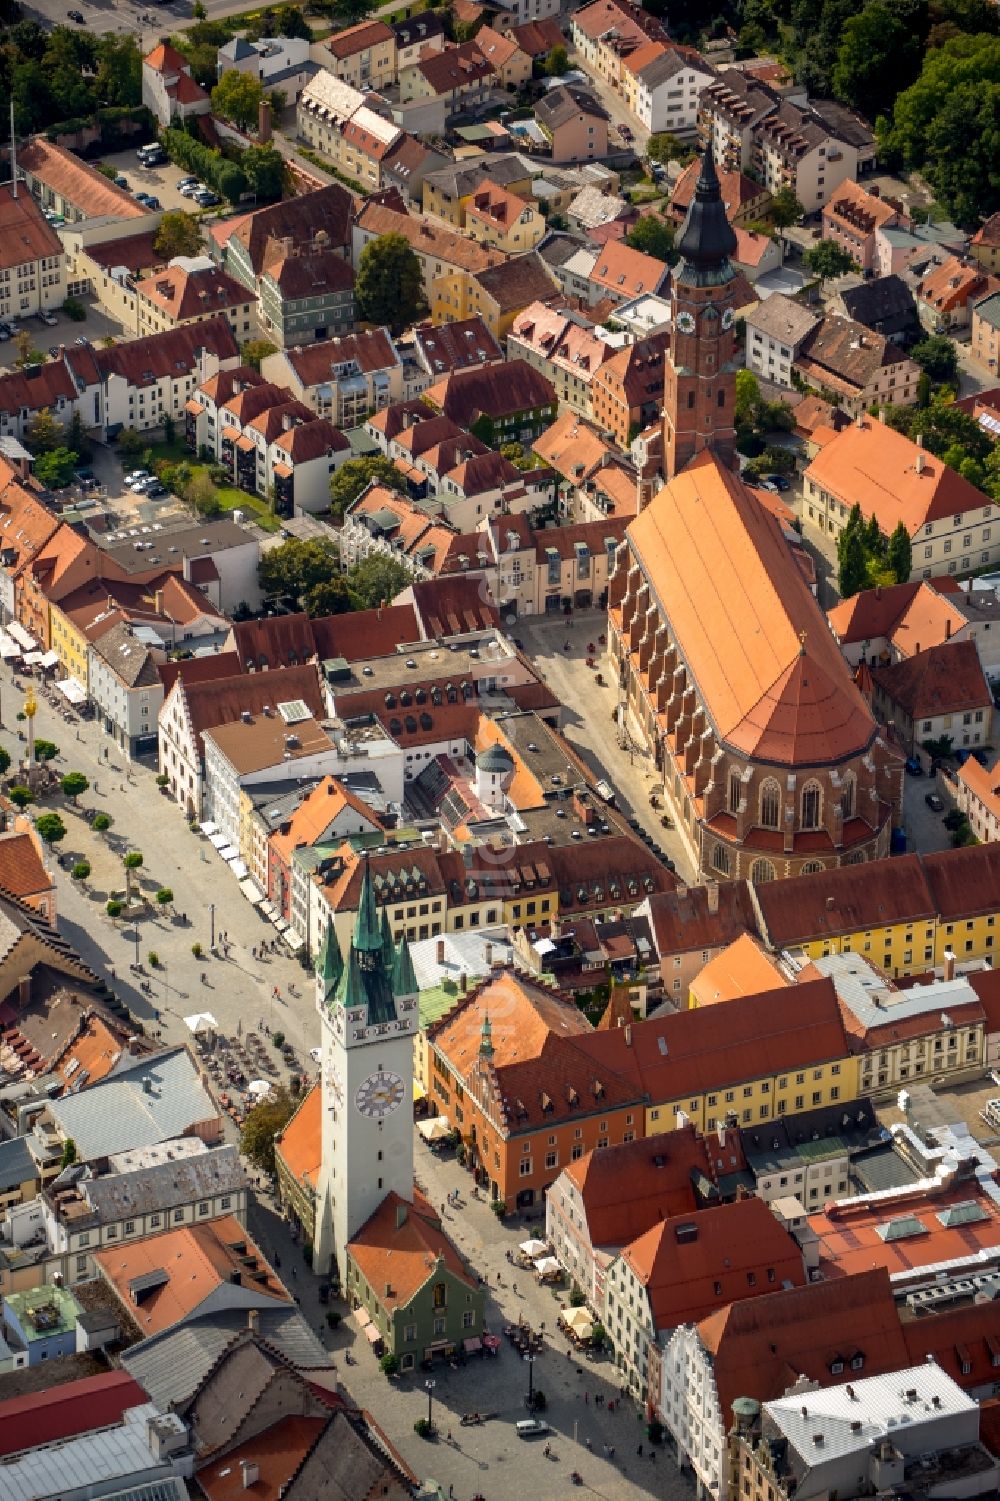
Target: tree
(297, 566)
(747, 398)
(944, 125)
(255, 350)
(826, 259)
(557, 62)
(76, 437)
(45, 433)
(55, 469)
(50, 828)
(119, 70)
(202, 494)
(130, 443)
(332, 597)
(27, 354)
(73, 784)
(879, 55)
(853, 572)
(179, 234)
(263, 1123)
(938, 357)
(664, 147)
(899, 554)
(292, 23)
(347, 482)
(164, 896)
(21, 796)
(785, 208)
(68, 1153)
(114, 908)
(46, 750)
(131, 861)
(101, 823)
(376, 580)
(653, 236)
(81, 870)
(264, 170)
(4, 761)
(237, 97)
(389, 285)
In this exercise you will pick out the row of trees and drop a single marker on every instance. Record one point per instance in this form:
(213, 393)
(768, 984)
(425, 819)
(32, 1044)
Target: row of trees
(259, 170)
(866, 559)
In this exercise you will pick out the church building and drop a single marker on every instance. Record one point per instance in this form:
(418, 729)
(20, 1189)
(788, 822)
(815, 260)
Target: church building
(771, 761)
(411, 1289)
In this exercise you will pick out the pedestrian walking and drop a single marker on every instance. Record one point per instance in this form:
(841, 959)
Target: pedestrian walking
(639, 1451)
(589, 1444)
(586, 1399)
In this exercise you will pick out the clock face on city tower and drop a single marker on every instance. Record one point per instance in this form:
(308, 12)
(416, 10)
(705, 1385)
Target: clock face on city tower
(380, 1094)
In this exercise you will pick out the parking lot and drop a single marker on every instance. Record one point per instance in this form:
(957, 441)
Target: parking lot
(161, 182)
(48, 337)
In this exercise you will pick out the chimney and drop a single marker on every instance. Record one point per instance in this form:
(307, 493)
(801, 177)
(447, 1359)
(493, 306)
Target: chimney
(158, 601)
(463, 982)
(949, 964)
(401, 1213)
(250, 1470)
(440, 951)
(947, 630)
(712, 894)
(628, 1035)
(147, 1084)
(253, 1320)
(488, 955)
(920, 463)
(264, 122)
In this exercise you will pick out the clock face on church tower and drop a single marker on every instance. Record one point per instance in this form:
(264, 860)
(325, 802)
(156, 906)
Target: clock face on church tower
(380, 1094)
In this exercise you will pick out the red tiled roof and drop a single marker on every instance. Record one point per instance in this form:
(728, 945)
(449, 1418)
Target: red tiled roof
(768, 671)
(25, 233)
(750, 1037)
(278, 1453)
(78, 182)
(360, 38)
(682, 1262)
(760, 1346)
(946, 679)
(849, 1239)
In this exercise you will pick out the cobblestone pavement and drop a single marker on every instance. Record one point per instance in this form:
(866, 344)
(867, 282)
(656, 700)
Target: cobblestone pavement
(236, 990)
(490, 1459)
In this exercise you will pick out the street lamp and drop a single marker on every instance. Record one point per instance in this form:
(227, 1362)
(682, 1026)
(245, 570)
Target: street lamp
(430, 1385)
(211, 913)
(529, 1400)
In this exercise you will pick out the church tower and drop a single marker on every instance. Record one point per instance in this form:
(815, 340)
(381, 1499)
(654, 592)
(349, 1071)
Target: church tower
(700, 382)
(369, 1013)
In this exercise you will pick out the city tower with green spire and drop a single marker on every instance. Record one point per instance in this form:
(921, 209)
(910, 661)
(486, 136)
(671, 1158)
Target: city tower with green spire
(368, 1009)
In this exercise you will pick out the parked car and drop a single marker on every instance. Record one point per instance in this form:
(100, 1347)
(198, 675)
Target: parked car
(152, 202)
(142, 198)
(765, 484)
(187, 182)
(778, 481)
(54, 349)
(625, 132)
(122, 182)
(605, 790)
(531, 1428)
(154, 490)
(207, 199)
(913, 767)
(187, 189)
(83, 341)
(934, 802)
(77, 16)
(4, 336)
(49, 319)
(130, 479)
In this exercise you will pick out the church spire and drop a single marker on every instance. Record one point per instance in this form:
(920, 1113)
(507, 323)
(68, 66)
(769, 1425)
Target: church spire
(329, 964)
(707, 239)
(367, 929)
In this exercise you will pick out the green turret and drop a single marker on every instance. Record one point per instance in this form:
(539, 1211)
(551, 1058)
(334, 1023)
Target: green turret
(404, 979)
(486, 1039)
(388, 947)
(367, 929)
(329, 965)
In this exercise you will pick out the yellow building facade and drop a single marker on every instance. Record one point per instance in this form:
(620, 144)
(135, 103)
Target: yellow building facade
(767, 1098)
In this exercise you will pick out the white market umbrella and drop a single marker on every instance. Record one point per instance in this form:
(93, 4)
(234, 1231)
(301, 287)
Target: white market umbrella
(436, 1129)
(579, 1320)
(259, 1088)
(201, 1022)
(533, 1248)
(546, 1264)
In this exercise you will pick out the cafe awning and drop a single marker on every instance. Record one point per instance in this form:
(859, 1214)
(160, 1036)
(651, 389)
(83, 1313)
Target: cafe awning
(292, 939)
(239, 869)
(23, 638)
(218, 840)
(229, 852)
(72, 690)
(251, 891)
(8, 648)
(208, 827)
(373, 1334)
(49, 659)
(472, 1346)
